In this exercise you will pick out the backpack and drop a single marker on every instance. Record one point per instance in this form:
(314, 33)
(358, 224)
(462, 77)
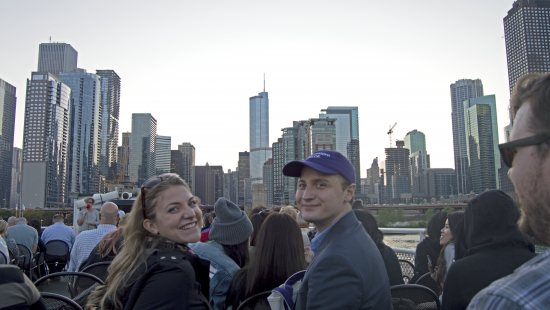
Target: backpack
(284, 296)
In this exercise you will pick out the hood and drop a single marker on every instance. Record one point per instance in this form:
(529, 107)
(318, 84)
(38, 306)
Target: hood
(490, 221)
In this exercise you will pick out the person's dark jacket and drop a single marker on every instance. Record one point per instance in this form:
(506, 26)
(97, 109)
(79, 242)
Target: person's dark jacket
(237, 291)
(429, 246)
(393, 267)
(173, 279)
(495, 248)
(96, 257)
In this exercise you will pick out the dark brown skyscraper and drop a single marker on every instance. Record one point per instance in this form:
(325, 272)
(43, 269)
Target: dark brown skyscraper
(244, 173)
(208, 183)
(527, 33)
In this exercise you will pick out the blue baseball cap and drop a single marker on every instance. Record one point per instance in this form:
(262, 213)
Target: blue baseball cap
(329, 162)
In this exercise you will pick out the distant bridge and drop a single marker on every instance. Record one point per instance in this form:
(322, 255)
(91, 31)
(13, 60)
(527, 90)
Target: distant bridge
(417, 207)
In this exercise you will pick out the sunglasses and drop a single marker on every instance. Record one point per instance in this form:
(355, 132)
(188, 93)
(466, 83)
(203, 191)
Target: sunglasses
(509, 150)
(264, 214)
(152, 183)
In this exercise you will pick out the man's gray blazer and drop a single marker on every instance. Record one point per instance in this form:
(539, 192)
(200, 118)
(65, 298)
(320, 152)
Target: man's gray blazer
(347, 271)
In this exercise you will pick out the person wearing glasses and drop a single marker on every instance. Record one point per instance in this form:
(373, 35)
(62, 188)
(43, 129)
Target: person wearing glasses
(528, 156)
(156, 269)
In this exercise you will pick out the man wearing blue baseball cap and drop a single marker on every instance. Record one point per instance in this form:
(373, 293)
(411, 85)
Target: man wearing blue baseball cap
(347, 271)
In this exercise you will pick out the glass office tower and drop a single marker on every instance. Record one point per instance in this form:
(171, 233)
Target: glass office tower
(481, 130)
(260, 151)
(8, 101)
(162, 154)
(84, 136)
(142, 148)
(57, 58)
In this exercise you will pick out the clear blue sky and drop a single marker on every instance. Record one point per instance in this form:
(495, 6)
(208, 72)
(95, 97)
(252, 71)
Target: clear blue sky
(194, 64)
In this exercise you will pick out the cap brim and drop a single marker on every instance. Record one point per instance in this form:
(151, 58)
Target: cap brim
(294, 168)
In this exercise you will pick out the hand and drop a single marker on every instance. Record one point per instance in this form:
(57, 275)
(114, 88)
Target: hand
(89, 223)
(433, 272)
(308, 253)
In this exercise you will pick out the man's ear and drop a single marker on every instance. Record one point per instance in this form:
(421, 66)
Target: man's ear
(99, 213)
(150, 227)
(350, 192)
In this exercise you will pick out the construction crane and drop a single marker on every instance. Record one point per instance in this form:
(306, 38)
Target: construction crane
(390, 133)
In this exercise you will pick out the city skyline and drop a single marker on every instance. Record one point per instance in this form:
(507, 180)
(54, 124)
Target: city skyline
(317, 66)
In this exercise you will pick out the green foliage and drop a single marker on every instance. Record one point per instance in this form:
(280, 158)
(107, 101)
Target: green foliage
(69, 219)
(448, 209)
(429, 214)
(400, 216)
(518, 205)
(422, 224)
(386, 216)
(5, 213)
(463, 209)
(44, 216)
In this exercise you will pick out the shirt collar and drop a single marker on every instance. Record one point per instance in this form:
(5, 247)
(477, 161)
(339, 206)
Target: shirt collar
(316, 242)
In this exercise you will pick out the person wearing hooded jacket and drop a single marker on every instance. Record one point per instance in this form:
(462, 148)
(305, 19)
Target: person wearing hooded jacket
(429, 246)
(227, 248)
(495, 248)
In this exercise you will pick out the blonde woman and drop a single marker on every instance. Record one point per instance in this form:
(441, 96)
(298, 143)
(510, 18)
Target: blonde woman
(155, 269)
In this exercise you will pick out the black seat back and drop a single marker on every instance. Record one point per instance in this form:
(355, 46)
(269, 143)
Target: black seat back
(25, 257)
(69, 284)
(427, 281)
(407, 270)
(57, 251)
(256, 302)
(55, 301)
(98, 269)
(3, 258)
(413, 296)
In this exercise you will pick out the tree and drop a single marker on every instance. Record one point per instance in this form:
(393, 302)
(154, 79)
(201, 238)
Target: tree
(385, 216)
(429, 214)
(448, 209)
(400, 216)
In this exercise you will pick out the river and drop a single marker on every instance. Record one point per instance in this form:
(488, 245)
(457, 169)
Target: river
(402, 241)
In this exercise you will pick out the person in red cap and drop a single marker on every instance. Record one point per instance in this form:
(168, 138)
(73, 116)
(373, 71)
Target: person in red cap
(347, 270)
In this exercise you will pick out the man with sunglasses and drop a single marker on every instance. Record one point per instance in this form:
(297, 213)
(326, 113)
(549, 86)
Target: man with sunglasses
(347, 270)
(528, 156)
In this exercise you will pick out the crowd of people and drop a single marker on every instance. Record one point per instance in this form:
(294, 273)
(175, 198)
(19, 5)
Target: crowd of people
(166, 254)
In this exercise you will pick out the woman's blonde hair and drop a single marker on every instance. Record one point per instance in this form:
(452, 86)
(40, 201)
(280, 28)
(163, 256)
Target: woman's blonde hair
(3, 226)
(136, 240)
(290, 211)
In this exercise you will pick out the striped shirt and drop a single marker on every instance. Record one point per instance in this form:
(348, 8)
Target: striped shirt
(85, 242)
(527, 288)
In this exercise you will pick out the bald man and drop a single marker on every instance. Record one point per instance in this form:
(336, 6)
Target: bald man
(87, 240)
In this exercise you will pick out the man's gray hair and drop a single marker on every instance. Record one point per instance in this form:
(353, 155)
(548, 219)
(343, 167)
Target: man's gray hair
(12, 220)
(57, 217)
(21, 219)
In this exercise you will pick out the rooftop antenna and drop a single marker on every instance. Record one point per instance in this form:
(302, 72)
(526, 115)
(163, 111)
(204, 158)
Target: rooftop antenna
(264, 82)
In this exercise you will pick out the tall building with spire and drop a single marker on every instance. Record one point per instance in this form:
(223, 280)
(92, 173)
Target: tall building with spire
(260, 151)
(527, 35)
(461, 91)
(57, 58)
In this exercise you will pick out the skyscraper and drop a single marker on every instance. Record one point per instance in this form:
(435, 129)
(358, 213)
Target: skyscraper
(142, 148)
(398, 173)
(56, 58)
(268, 180)
(8, 102)
(16, 161)
(480, 115)
(347, 136)
(244, 173)
(208, 183)
(123, 157)
(110, 107)
(462, 90)
(45, 142)
(85, 130)
(162, 154)
(260, 151)
(527, 34)
(188, 151)
(418, 161)
(415, 141)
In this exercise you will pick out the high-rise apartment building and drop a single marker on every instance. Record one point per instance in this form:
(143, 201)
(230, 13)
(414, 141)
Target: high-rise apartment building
(8, 101)
(438, 182)
(244, 173)
(142, 148)
(461, 91)
(123, 157)
(176, 162)
(209, 183)
(188, 151)
(260, 151)
(85, 130)
(110, 108)
(45, 142)
(16, 162)
(480, 115)
(347, 136)
(398, 173)
(268, 180)
(162, 154)
(321, 135)
(57, 58)
(418, 161)
(230, 185)
(527, 35)
(415, 141)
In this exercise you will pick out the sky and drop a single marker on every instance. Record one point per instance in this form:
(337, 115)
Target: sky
(194, 64)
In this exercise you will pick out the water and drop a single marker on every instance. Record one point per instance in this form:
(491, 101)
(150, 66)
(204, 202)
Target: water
(402, 241)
